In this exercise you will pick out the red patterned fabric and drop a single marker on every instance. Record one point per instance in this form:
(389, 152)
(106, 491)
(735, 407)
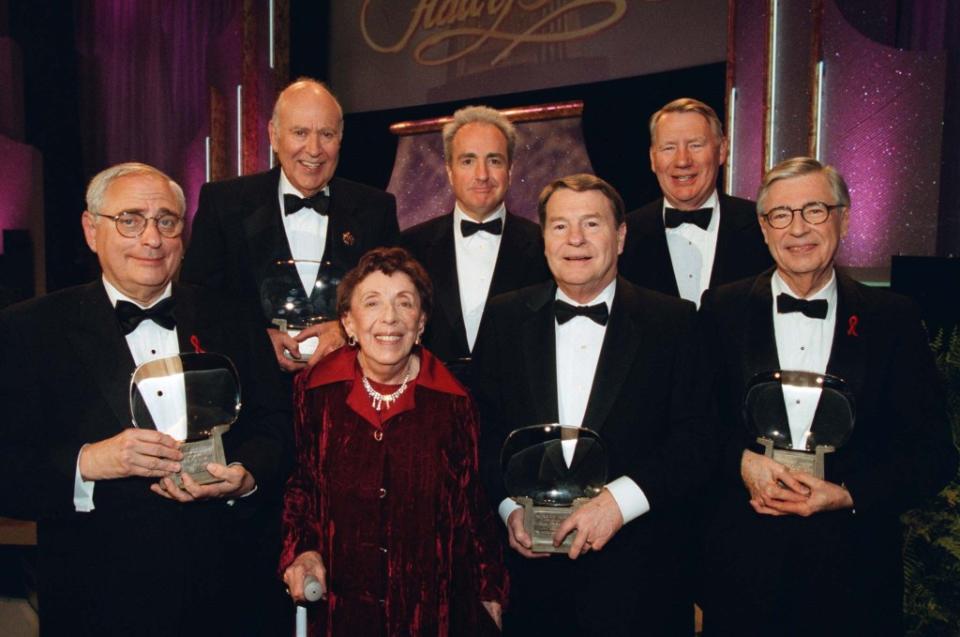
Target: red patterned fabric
(410, 542)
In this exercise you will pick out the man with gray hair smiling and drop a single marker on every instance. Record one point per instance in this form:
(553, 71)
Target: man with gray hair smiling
(479, 249)
(787, 552)
(123, 549)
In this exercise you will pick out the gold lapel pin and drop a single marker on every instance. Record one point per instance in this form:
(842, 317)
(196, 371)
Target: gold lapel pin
(348, 238)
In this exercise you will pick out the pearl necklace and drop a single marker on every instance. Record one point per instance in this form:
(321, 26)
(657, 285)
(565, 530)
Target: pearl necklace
(378, 399)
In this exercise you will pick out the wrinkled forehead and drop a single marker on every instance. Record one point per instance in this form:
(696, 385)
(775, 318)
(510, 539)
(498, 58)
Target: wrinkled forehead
(140, 192)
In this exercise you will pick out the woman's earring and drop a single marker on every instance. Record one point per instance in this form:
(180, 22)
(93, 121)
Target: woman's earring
(352, 340)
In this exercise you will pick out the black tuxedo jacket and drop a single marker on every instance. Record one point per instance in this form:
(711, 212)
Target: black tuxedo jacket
(900, 452)
(648, 405)
(741, 251)
(136, 564)
(238, 232)
(520, 262)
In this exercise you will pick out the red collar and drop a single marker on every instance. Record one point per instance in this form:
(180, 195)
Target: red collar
(340, 365)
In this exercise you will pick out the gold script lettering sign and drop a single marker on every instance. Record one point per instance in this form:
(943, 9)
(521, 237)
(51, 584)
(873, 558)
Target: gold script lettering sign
(449, 15)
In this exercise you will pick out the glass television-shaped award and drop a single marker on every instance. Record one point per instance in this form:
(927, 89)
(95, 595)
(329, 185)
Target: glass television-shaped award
(298, 293)
(551, 470)
(800, 417)
(192, 397)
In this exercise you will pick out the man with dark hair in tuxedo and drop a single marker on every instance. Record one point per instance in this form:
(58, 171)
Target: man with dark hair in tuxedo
(786, 552)
(479, 249)
(590, 349)
(693, 237)
(297, 210)
(124, 550)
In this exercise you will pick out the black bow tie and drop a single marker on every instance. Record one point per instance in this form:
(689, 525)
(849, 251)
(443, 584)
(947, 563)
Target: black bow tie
(131, 315)
(319, 202)
(814, 309)
(469, 227)
(597, 313)
(675, 218)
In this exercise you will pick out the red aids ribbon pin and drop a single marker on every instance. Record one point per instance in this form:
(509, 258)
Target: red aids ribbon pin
(852, 325)
(196, 344)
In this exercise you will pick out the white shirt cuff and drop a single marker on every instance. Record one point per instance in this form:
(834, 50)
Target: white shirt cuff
(507, 507)
(629, 497)
(82, 490)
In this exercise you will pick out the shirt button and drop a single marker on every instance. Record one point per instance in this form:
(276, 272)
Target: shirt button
(802, 348)
(383, 493)
(378, 435)
(153, 351)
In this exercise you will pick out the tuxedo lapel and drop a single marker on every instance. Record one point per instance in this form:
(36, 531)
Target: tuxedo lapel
(760, 341)
(538, 342)
(342, 248)
(446, 284)
(511, 258)
(659, 257)
(726, 252)
(95, 336)
(621, 347)
(263, 229)
(851, 335)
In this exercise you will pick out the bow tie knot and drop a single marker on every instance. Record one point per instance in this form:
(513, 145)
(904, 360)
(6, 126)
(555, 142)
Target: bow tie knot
(674, 218)
(816, 309)
(131, 315)
(319, 202)
(597, 313)
(468, 228)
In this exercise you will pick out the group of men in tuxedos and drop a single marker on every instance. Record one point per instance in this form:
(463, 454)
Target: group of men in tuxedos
(590, 320)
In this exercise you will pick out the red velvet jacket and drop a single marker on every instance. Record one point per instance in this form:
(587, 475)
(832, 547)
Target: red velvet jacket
(396, 510)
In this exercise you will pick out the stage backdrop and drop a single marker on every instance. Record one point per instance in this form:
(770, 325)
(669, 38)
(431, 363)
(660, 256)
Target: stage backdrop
(395, 53)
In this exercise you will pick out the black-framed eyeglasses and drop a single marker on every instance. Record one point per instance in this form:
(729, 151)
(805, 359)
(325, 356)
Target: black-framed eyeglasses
(814, 213)
(133, 224)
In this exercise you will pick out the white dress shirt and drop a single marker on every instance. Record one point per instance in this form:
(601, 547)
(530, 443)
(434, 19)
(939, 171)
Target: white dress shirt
(692, 250)
(306, 233)
(578, 344)
(476, 258)
(803, 344)
(147, 342)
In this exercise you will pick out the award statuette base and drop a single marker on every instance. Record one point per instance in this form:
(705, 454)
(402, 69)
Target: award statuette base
(540, 523)
(198, 453)
(811, 462)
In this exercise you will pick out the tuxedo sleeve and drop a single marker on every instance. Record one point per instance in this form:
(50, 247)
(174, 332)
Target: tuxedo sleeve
(922, 455)
(38, 458)
(205, 261)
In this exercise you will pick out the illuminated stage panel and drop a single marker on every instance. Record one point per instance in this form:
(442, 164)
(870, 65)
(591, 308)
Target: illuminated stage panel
(549, 145)
(882, 129)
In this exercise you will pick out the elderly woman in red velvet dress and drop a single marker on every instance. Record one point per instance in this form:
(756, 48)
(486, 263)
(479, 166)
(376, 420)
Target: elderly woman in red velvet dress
(385, 507)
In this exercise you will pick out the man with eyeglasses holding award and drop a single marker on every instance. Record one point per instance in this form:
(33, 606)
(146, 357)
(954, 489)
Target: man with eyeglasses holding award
(123, 548)
(803, 535)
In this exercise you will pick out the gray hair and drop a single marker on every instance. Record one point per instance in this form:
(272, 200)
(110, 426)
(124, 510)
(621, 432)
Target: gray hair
(688, 105)
(302, 82)
(581, 182)
(478, 114)
(798, 167)
(98, 186)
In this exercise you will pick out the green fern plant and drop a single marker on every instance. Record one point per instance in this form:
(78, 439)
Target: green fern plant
(931, 552)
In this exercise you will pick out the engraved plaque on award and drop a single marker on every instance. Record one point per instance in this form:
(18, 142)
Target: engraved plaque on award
(192, 397)
(298, 293)
(800, 417)
(551, 470)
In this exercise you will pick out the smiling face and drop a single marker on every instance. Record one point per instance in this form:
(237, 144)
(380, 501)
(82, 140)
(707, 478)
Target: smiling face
(581, 242)
(306, 135)
(804, 252)
(686, 156)
(140, 267)
(479, 170)
(385, 317)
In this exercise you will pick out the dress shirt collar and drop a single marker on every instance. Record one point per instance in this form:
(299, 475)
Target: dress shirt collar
(286, 188)
(116, 295)
(459, 215)
(713, 201)
(606, 296)
(828, 292)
